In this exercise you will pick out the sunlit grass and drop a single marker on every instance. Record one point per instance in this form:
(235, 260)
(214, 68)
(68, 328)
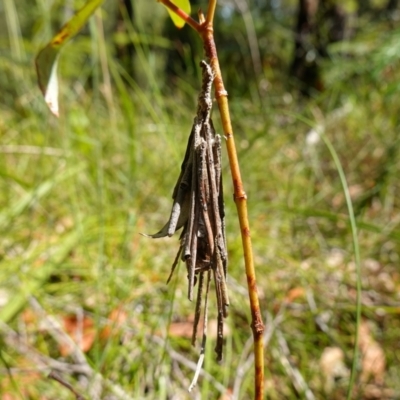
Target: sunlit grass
(77, 192)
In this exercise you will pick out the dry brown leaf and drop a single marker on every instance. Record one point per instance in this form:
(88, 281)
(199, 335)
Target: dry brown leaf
(355, 192)
(28, 316)
(185, 328)
(72, 323)
(332, 367)
(376, 392)
(373, 357)
(227, 395)
(9, 396)
(335, 258)
(64, 224)
(117, 317)
(213, 329)
(24, 381)
(182, 329)
(294, 294)
(82, 331)
(385, 283)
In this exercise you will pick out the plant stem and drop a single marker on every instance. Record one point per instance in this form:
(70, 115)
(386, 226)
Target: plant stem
(241, 206)
(187, 18)
(211, 12)
(357, 259)
(205, 29)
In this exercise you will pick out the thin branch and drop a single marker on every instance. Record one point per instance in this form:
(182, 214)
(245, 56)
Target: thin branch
(58, 378)
(33, 150)
(55, 330)
(96, 379)
(189, 364)
(187, 18)
(204, 340)
(295, 375)
(241, 206)
(246, 361)
(212, 4)
(43, 363)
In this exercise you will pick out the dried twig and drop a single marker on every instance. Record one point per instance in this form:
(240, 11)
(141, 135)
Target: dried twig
(297, 379)
(45, 363)
(33, 150)
(58, 378)
(246, 361)
(189, 364)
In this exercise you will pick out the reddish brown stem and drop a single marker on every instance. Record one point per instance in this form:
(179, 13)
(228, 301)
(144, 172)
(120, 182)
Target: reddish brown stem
(241, 205)
(187, 18)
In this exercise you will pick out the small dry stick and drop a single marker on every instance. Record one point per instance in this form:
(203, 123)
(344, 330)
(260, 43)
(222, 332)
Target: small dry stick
(198, 207)
(58, 378)
(204, 340)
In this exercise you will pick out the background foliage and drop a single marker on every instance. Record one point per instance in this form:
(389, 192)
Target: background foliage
(82, 294)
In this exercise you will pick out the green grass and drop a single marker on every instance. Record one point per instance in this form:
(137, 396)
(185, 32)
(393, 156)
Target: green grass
(77, 192)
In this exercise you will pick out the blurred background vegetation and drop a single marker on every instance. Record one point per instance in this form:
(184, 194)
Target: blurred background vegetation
(83, 299)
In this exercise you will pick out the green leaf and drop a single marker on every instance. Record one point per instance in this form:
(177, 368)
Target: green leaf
(46, 60)
(184, 5)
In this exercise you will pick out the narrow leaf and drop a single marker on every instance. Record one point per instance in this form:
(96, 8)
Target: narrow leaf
(38, 277)
(7, 215)
(46, 60)
(184, 5)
